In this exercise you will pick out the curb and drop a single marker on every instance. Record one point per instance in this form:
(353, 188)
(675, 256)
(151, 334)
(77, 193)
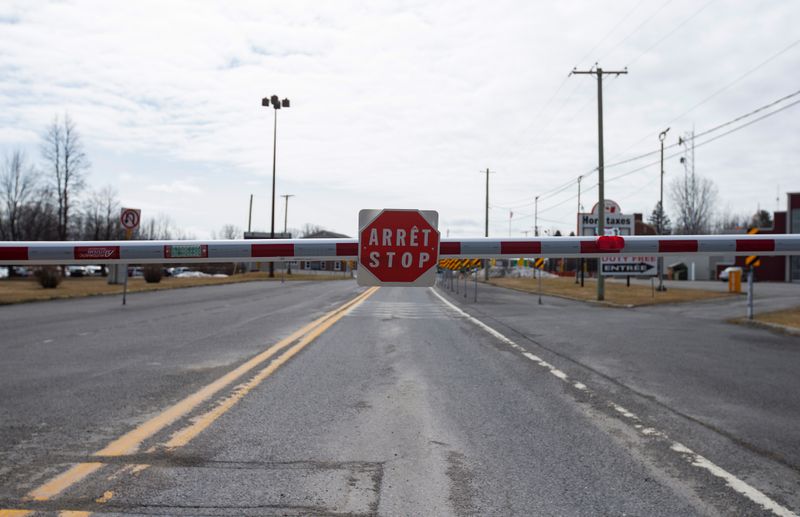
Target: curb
(764, 325)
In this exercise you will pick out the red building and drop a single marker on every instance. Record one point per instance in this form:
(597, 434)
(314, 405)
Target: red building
(780, 269)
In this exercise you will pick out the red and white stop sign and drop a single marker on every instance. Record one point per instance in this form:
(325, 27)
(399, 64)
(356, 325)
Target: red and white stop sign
(398, 247)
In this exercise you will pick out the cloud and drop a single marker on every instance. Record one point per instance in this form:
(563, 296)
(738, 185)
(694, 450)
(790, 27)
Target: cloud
(175, 187)
(398, 104)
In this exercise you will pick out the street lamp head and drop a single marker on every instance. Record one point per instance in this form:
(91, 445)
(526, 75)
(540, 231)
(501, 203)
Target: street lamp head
(276, 103)
(663, 135)
(285, 103)
(265, 101)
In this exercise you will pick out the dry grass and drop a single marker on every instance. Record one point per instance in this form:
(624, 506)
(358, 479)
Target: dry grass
(615, 293)
(18, 290)
(787, 318)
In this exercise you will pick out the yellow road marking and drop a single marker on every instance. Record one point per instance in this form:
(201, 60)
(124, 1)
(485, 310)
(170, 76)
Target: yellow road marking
(63, 481)
(202, 422)
(138, 468)
(132, 440)
(15, 513)
(73, 513)
(107, 495)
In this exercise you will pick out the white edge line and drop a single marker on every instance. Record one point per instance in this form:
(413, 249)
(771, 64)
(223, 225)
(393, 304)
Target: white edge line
(732, 481)
(695, 459)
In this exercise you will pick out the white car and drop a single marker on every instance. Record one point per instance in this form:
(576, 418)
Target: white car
(723, 275)
(77, 271)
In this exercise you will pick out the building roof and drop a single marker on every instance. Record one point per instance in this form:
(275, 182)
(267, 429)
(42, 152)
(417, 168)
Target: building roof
(325, 234)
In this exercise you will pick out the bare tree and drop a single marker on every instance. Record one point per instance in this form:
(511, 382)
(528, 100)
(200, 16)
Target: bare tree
(101, 215)
(727, 222)
(228, 231)
(17, 184)
(694, 198)
(37, 217)
(63, 153)
(310, 229)
(161, 227)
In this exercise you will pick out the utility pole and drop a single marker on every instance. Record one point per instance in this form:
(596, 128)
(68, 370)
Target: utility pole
(578, 262)
(486, 227)
(286, 211)
(285, 229)
(250, 214)
(536, 216)
(601, 204)
(661, 137)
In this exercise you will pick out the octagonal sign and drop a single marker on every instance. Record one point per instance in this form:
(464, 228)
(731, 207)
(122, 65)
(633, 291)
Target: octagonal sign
(398, 247)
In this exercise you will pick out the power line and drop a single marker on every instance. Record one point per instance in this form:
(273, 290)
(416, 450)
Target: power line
(634, 31)
(670, 33)
(710, 130)
(567, 200)
(700, 144)
(609, 33)
(721, 90)
(717, 137)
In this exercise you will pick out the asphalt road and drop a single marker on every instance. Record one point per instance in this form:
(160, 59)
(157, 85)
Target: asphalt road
(329, 399)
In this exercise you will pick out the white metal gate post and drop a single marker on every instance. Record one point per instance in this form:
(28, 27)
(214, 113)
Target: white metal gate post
(750, 293)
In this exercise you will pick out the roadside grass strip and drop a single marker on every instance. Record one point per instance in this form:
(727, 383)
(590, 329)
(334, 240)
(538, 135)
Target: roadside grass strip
(617, 293)
(688, 455)
(23, 290)
(130, 442)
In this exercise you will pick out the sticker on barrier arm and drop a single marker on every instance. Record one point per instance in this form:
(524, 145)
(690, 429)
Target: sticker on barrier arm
(398, 247)
(186, 251)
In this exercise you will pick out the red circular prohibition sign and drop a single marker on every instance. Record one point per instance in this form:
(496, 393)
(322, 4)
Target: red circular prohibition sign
(399, 246)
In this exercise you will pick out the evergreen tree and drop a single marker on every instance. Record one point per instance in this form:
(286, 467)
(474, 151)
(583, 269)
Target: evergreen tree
(660, 220)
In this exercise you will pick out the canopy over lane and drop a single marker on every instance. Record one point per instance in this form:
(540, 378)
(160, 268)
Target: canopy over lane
(267, 250)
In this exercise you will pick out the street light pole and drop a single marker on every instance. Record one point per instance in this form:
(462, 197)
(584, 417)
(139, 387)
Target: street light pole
(276, 104)
(286, 211)
(536, 216)
(661, 137)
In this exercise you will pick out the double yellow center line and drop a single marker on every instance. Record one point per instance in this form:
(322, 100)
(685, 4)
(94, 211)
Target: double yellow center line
(131, 441)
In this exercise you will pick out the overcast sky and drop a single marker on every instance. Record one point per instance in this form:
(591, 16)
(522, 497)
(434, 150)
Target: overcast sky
(402, 104)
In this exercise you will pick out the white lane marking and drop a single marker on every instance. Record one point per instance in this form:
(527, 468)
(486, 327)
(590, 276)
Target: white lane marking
(695, 459)
(732, 481)
(624, 412)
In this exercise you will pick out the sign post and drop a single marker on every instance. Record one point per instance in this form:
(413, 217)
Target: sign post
(398, 247)
(130, 219)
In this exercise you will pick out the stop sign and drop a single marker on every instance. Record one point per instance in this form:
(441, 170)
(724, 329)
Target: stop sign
(398, 247)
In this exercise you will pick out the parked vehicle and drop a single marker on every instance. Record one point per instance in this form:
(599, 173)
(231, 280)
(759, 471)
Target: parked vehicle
(77, 271)
(93, 270)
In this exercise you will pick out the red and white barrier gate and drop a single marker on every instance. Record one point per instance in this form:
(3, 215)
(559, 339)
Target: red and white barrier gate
(157, 252)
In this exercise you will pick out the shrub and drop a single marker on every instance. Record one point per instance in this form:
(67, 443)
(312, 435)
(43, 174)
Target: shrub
(153, 273)
(49, 277)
